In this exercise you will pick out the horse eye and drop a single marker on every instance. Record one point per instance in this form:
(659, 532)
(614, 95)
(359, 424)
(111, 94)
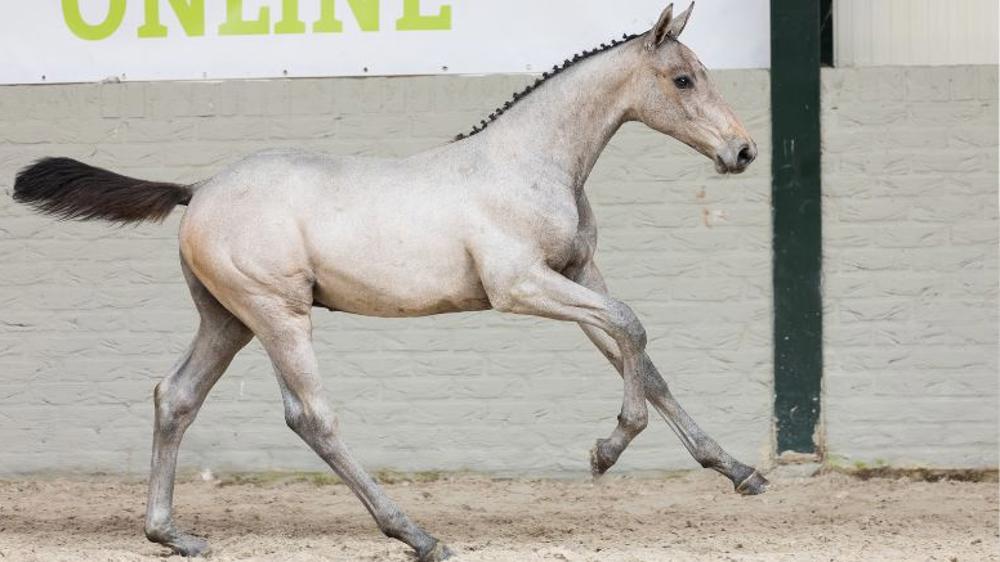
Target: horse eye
(682, 82)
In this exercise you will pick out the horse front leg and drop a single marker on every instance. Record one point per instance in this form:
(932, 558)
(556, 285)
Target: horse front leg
(703, 448)
(543, 292)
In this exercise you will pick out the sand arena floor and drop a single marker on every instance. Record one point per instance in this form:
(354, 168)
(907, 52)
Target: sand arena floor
(693, 516)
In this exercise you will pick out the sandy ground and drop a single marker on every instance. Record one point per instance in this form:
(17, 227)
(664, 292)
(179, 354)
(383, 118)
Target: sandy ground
(686, 517)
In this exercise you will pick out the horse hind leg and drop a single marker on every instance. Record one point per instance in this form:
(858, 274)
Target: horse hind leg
(178, 398)
(285, 332)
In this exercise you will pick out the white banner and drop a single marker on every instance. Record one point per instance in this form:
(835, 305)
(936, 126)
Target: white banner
(47, 41)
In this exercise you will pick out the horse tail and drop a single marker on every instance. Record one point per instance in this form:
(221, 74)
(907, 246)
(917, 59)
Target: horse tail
(69, 189)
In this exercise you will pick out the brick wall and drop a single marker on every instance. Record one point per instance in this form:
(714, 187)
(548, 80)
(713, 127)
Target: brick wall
(91, 316)
(910, 265)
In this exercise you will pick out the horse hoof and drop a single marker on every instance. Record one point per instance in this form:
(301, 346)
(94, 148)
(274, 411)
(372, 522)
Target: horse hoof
(753, 485)
(179, 543)
(436, 554)
(189, 546)
(599, 464)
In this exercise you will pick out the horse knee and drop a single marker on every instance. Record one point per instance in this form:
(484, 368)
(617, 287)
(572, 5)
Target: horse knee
(175, 407)
(631, 329)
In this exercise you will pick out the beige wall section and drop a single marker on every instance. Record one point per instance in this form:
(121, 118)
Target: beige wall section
(910, 265)
(91, 316)
(915, 32)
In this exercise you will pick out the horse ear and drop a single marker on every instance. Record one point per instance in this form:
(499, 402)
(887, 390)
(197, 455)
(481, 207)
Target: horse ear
(658, 34)
(677, 24)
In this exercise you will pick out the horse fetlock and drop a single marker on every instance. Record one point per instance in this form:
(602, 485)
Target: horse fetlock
(159, 532)
(396, 525)
(707, 460)
(753, 485)
(393, 524)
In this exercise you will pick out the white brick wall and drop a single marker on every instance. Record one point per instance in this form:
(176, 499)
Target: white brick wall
(92, 316)
(910, 265)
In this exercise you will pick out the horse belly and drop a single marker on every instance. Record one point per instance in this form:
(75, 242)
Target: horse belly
(405, 282)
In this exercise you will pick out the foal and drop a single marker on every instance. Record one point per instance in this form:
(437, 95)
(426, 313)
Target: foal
(496, 220)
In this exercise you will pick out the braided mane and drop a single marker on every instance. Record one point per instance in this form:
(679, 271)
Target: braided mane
(518, 96)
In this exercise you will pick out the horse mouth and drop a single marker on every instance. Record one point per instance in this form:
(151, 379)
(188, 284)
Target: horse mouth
(720, 166)
(724, 168)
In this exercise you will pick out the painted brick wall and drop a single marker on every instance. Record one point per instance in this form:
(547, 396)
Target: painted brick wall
(92, 316)
(910, 265)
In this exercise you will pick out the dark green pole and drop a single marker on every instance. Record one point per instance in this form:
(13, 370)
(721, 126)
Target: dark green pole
(795, 194)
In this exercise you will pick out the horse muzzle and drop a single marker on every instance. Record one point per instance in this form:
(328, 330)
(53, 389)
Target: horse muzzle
(735, 156)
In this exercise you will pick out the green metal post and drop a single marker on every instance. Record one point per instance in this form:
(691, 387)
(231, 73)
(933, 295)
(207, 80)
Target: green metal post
(795, 192)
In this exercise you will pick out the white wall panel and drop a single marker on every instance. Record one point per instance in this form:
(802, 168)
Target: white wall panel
(39, 44)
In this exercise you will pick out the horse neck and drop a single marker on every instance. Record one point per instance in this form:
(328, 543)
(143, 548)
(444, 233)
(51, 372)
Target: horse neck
(560, 129)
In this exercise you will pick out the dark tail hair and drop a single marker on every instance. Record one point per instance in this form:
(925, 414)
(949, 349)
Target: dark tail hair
(70, 189)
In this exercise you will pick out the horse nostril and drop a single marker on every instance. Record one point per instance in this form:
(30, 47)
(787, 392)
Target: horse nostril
(745, 156)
